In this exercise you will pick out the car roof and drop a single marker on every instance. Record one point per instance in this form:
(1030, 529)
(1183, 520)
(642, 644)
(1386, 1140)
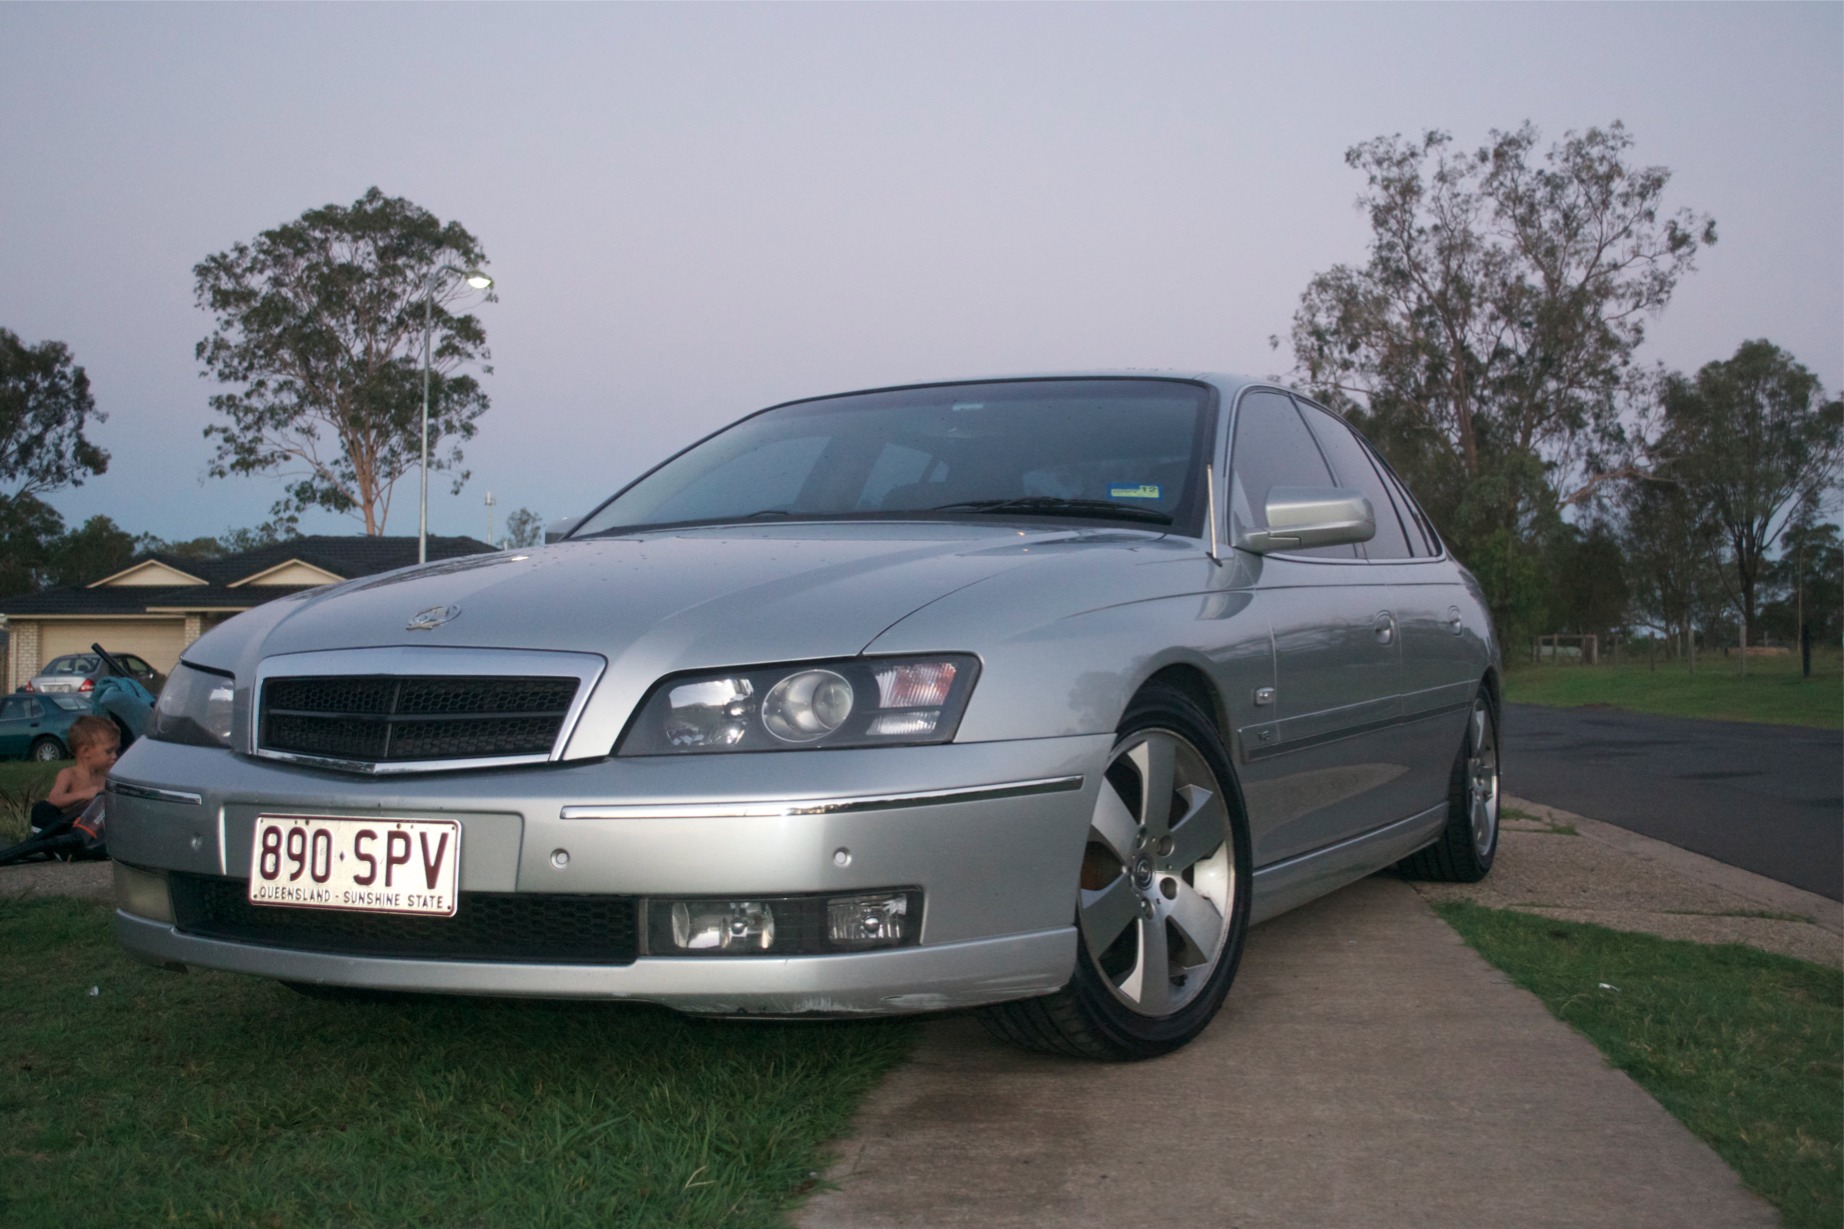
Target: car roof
(1226, 382)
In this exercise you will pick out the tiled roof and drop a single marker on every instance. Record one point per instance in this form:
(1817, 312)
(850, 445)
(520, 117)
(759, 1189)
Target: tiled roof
(345, 557)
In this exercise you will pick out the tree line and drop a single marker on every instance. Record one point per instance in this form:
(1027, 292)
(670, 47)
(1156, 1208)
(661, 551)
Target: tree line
(1487, 345)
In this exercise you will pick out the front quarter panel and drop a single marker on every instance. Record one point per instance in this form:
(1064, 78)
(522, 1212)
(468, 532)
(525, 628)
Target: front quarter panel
(1065, 645)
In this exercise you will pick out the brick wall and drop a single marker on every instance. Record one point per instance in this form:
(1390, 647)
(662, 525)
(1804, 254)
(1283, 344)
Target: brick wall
(22, 660)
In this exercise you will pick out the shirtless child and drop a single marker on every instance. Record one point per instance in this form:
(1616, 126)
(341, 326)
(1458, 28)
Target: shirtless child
(95, 742)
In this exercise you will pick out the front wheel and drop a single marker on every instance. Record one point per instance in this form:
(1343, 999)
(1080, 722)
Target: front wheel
(1468, 844)
(46, 750)
(1162, 901)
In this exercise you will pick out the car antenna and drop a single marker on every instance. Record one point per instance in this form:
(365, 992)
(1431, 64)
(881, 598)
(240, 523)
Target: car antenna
(1210, 513)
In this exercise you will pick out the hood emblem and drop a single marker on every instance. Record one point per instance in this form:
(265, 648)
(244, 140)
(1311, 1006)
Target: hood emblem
(430, 619)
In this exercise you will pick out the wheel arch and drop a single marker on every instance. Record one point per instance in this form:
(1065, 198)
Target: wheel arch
(1194, 685)
(1191, 682)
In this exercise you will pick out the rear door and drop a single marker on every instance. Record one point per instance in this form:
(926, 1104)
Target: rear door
(16, 726)
(1425, 595)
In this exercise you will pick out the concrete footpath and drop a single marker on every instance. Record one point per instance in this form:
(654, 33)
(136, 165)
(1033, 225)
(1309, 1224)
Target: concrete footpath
(1367, 1070)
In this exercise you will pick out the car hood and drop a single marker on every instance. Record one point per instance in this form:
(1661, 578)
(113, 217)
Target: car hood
(656, 604)
(750, 596)
(703, 597)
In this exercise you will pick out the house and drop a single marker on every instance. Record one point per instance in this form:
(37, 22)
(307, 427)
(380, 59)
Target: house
(159, 604)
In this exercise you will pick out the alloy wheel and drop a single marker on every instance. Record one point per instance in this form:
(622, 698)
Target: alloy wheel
(1158, 874)
(1482, 779)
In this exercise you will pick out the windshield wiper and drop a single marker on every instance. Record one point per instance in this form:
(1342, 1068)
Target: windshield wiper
(1052, 505)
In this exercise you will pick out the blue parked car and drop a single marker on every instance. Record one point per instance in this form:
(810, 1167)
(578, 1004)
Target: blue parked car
(38, 727)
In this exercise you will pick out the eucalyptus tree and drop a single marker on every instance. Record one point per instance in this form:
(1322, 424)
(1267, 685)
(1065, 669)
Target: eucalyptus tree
(46, 408)
(318, 334)
(524, 528)
(1752, 440)
(1672, 583)
(1487, 342)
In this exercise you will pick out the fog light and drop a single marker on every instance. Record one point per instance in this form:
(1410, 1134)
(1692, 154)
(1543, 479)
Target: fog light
(867, 921)
(722, 925)
(142, 893)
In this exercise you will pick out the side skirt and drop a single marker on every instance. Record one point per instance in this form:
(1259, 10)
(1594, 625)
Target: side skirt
(1288, 884)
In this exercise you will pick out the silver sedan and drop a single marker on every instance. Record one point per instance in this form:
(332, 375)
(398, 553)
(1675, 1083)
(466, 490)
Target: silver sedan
(1023, 695)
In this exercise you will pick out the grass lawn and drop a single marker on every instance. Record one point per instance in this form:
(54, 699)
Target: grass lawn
(1746, 1048)
(21, 784)
(1773, 691)
(132, 1096)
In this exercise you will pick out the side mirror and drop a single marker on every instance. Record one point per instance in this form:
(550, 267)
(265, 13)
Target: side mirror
(1300, 517)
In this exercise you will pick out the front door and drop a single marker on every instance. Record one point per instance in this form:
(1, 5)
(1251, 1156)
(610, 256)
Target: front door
(1322, 768)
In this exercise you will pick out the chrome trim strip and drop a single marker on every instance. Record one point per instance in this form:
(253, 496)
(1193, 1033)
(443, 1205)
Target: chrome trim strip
(587, 668)
(1270, 750)
(391, 768)
(776, 808)
(127, 790)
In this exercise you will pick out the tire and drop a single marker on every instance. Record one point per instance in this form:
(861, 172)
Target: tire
(1465, 850)
(45, 750)
(1162, 877)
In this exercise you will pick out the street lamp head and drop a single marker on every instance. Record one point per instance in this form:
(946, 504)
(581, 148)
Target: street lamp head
(479, 281)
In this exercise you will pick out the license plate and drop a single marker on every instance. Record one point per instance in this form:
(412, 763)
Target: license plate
(369, 865)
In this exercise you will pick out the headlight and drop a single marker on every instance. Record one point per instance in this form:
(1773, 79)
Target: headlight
(862, 702)
(194, 707)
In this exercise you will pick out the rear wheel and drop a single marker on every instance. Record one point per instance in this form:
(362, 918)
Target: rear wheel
(46, 750)
(1469, 843)
(1162, 901)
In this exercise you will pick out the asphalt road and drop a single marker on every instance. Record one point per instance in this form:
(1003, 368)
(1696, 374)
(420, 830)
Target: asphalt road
(1766, 798)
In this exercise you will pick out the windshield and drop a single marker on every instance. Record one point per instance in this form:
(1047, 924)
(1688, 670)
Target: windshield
(73, 665)
(1123, 450)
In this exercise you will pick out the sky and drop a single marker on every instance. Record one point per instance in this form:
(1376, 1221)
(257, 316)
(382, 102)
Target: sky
(696, 210)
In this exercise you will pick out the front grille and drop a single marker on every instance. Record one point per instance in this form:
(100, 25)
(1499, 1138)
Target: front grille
(510, 927)
(392, 718)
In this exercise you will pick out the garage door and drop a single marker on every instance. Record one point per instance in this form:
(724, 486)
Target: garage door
(158, 640)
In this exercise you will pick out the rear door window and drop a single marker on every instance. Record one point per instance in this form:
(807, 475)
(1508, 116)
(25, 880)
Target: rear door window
(1352, 466)
(1422, 538)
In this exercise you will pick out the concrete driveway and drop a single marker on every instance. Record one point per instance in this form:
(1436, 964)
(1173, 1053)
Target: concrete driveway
(1368, 1070)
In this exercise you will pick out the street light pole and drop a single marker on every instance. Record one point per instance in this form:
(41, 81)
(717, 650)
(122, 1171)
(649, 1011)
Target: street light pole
(479, 281)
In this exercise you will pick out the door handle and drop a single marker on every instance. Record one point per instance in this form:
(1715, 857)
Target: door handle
(1385, 628)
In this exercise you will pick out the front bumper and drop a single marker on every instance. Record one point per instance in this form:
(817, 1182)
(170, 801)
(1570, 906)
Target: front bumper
(991, 833)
